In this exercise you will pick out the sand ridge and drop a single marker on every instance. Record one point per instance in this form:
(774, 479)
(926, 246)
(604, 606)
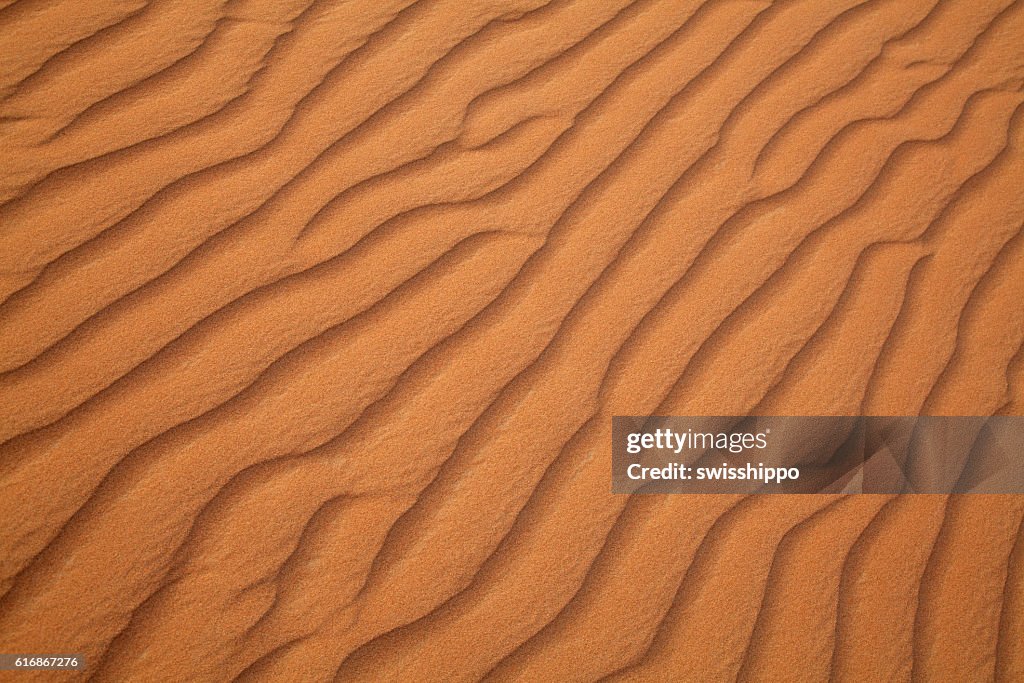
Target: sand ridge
(314, 315)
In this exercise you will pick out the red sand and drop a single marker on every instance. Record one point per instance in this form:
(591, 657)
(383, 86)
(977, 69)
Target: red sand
(315, 314)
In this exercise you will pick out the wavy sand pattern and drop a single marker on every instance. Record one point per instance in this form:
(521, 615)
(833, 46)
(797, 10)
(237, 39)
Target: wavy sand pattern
(315, 314)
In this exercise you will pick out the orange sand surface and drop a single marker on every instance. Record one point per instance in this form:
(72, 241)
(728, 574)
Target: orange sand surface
(315, 314)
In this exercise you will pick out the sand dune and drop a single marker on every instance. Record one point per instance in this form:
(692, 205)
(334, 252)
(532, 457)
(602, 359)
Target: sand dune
(315, 314)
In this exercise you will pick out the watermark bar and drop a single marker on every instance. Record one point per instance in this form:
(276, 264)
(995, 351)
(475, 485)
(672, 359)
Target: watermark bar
(732, 454)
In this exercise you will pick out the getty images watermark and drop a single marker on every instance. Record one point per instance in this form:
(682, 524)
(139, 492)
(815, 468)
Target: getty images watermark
(742, 454)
